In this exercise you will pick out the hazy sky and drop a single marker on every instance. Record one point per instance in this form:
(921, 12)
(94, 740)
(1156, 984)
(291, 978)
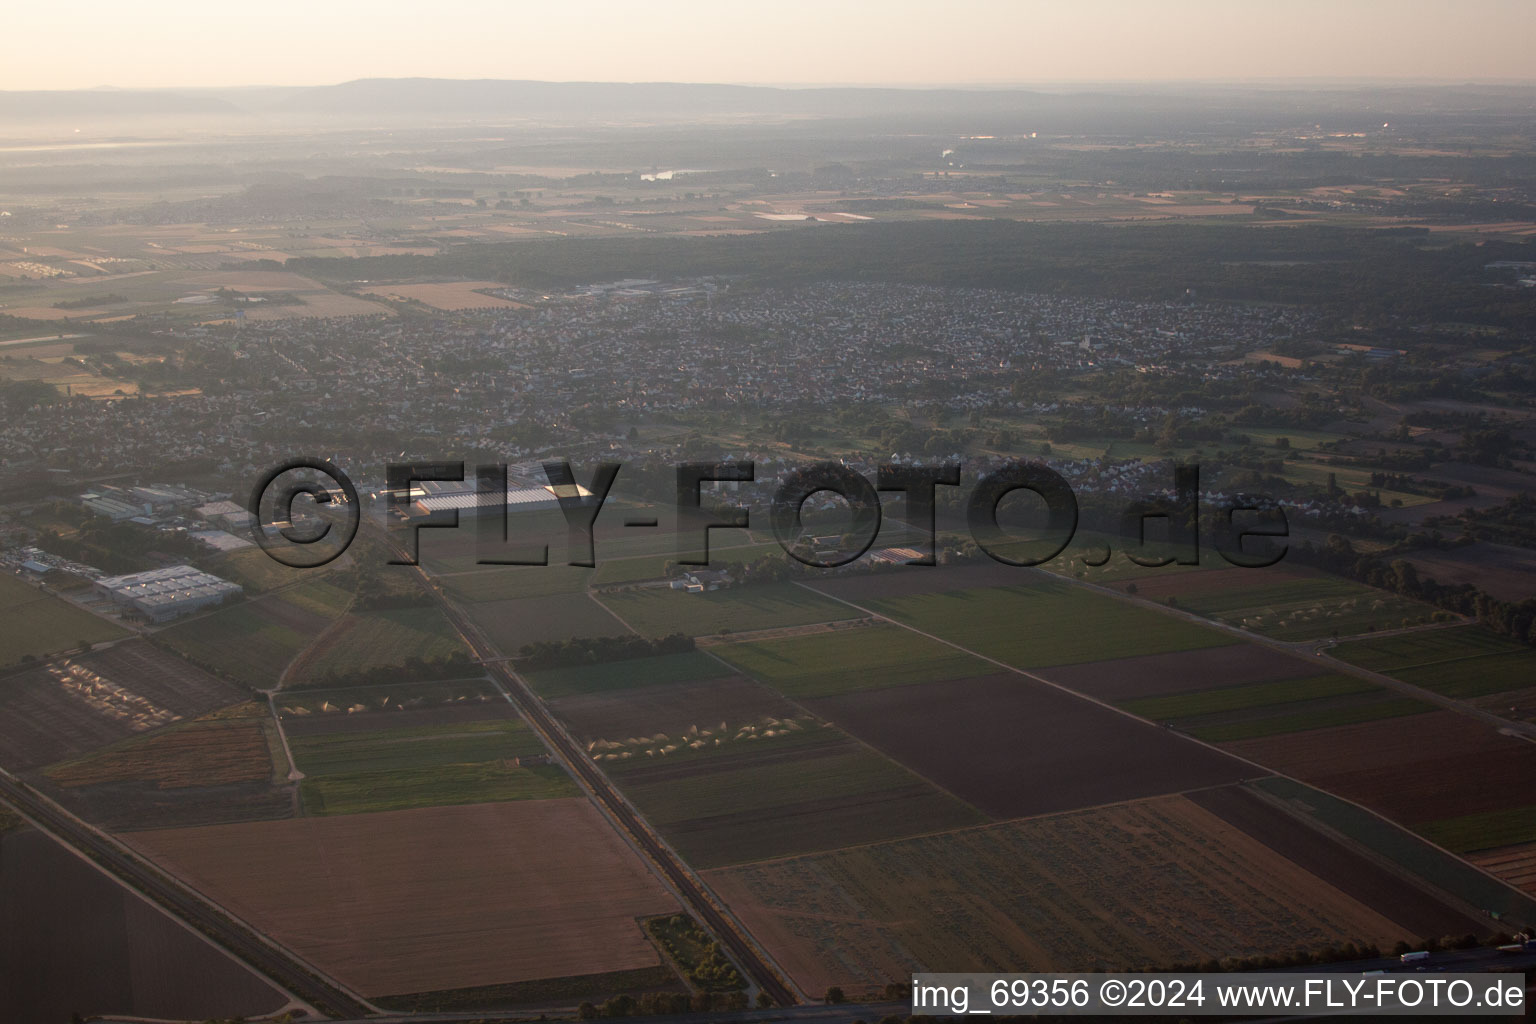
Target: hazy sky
(88, 43)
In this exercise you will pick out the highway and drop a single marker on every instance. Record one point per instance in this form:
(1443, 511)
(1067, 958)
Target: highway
(677, 874)
(237, 938)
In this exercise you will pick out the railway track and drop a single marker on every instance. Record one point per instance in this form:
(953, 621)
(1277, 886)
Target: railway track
(240, 940)
(689, 888)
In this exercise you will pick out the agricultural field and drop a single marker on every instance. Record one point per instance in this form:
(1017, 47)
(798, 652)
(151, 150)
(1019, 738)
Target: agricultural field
(38, 624)
(1250, 710)
(511, 625)
(1439, 773)
(361, 641)
(659, 611)
(723, 714)
(1012, 746)
(615, 676)
(851, 659)
(397, 766)
(73, 941)
(433, 899)
(253, 641)
(510, 582)
(1284, 605)
(322, 709)
(799, 787)
(634, 568)
(1127, 679)
(1046, 622)
(197, 754)
(1462, 662)
(447, 295)
(1147, 883)
(72, 706)
(1514, 864)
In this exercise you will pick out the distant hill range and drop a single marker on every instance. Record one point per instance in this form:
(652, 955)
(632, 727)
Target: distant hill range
(418, 100)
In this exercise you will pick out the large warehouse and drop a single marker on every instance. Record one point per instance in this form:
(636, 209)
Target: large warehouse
(162, 594)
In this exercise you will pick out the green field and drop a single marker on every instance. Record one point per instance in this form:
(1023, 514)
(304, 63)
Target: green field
(423, 766)
(1252, 695)
(39, 624)
(847, 660)
(660, 611)
(1465, 661)
(391, 696)
(378, 639)
(1046, 622)
(1484, 831)
(246, 642)
(1320, 717)
(613, 676)
(1307, 609)
(739, 807)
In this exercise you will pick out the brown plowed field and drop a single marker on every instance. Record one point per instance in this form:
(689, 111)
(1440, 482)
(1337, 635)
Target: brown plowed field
(1014, 747)
(1149, 675)
(671, 708)
(1515, 864)
(434, 898)
(1413, 769)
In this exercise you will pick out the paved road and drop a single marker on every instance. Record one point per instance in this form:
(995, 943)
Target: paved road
(239, 939)
(690, 889)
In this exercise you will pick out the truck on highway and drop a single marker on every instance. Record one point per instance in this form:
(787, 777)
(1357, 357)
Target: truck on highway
(1413, 958)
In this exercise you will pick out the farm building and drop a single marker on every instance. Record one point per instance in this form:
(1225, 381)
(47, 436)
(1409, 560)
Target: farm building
(163, 594)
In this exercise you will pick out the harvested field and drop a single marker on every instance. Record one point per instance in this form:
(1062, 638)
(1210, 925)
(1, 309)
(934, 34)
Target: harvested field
(1294, 607)
(658, 612)
(201, 754)
(1047, 623)
(811, 789)
(379, 639)
(1416, 911)
(1151, 882)
(65, 709)
(1415, 770)
(74, 941)
(1125, 679)
(851, 659)
(1015, 747)
(512, 624)
(39, 624)
(1514, 864)
(1485, 830)
(613, 676)
(436, 898)
(254, 641)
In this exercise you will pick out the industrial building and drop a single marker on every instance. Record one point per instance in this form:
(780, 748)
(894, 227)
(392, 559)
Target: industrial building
(473, 502)
(163, 594)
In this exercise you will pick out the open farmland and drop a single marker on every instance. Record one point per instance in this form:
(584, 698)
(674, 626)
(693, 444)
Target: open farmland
(713, 712)
(199, 754)
(72, 706)
(652, 567)
(1417, 770)
(447, 295)
(1250, 710)
(38, 624)
(1046, 622)
(361, 641)
(846, 660)
(1013, 747)
(436, 898)
(1462, 662)
(254, 641)
(506, 582)
(395, 767)
(614, 676)
(1284, 605)
(511, 625)
(802, 788)
(1152, 882)
(1127, 679)
(660, 611)
(74, 941)
(1514, 864)
(329, 709)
